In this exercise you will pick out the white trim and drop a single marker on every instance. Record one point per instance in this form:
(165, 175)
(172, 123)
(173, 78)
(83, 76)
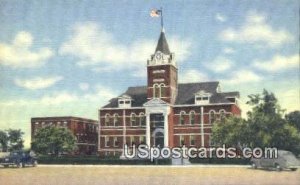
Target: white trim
(194, 105)
(191, 140)
(121, 128)
(192, 127)
(188, 134)
(118, 108)
(110, 149)
(202, 126)
(158, 130)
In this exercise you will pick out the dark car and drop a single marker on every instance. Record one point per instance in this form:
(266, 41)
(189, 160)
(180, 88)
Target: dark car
(18, 158)
(285, 160)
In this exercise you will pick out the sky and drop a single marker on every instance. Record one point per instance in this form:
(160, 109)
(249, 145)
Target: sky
(68, 58)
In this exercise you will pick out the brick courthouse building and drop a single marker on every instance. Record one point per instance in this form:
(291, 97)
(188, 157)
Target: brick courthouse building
(165, 112)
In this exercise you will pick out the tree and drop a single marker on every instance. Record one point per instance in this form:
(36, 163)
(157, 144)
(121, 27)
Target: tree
(11, 140)
(293, 118)
(15, 139)
(3, 140)
(229, 132)
(53, 140)
(265, 126)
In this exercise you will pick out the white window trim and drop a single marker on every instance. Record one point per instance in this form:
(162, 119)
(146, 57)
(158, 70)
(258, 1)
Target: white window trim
(190, 116)
(106, 140)
(115, 140)
(192, 136)
(114, 117)
(105, 117)
(209, 116)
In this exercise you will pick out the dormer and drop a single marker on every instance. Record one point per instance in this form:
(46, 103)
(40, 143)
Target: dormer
(124, 101)
(202, 98)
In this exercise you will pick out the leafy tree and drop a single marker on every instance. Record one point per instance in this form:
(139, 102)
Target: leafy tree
(230, 132)
(293, 118)
(11, 140)
(3, 140)
(15, 139)
(53, 140)
(265, 126)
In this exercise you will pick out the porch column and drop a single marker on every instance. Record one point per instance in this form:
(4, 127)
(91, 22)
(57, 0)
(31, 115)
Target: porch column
(148, 129)
(166, 130)
(202, 127)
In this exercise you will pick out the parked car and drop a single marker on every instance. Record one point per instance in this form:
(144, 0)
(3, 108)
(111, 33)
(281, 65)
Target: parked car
(285, 160)
(18, 158)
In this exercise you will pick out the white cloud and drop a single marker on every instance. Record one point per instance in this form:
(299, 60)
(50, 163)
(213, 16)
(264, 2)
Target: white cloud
(228, 50)
(220, 17)
(278, 62)
(61, 98)
(84, 86)
(256, 30)
(18, 54)
(289, 99)
(93, 45)
(219, 64)
(192, 75)
(37, 82)
(242, 76)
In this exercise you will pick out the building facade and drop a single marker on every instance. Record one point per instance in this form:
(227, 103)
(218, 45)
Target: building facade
(85, 131)
(165, 112)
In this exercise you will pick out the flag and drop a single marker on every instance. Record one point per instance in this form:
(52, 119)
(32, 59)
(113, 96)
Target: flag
(155, 13)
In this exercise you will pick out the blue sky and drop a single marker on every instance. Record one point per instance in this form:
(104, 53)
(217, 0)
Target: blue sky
(70, 57)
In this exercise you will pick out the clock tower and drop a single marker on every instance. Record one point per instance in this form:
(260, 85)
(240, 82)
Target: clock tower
(162, 72)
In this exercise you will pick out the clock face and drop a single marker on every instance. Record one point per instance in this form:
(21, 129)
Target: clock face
(158, 56)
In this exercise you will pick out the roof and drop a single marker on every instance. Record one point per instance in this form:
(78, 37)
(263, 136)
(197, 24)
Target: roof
(186, 94)
(56, 118)
(162, 44)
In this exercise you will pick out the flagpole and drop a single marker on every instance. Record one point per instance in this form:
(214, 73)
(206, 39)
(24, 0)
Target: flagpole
(161, 19)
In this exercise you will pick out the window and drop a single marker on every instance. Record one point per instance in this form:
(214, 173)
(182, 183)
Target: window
(181, 140)
(116, 143)
(132, 140)
(142, 119)
(156, 89)
(133, 119)
(181, 118)
(212, 116)
(116, 119)
(192, 140)
(142, 139)
(222, 115)
(107, 119)
(192, 117)
(162, 90)
(106, 141)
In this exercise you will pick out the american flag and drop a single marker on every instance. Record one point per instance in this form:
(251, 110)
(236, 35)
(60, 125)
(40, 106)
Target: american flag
(155, 13)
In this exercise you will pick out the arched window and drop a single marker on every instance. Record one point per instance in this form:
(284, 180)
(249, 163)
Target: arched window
(133, 119)
(142, 119)
(107, 116)
(181, 118)
(212, 116)
(222, 115)
(192, 117)
(156, 91)
(116, 119)
(162, 90)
